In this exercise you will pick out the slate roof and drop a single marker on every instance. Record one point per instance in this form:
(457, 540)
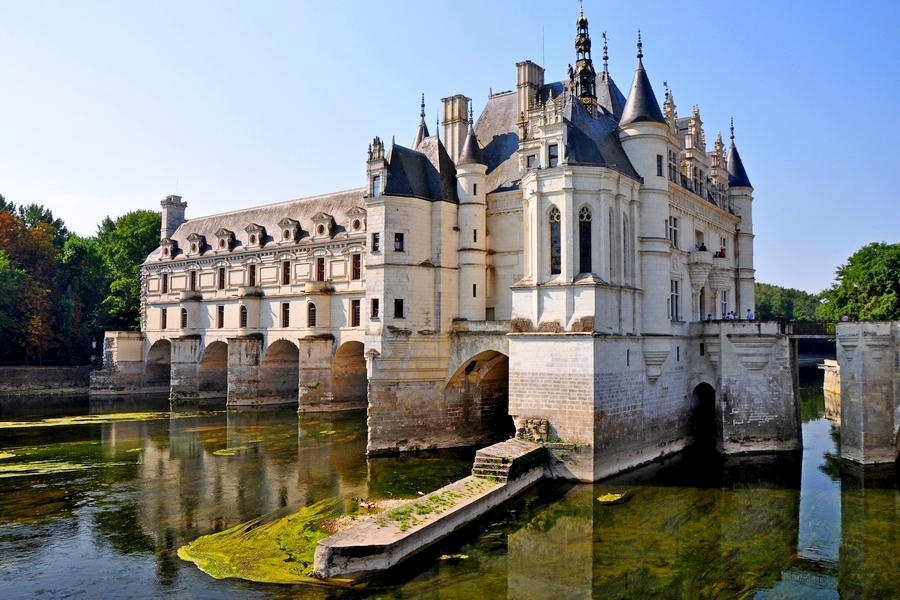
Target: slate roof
(737, 175)
(427, 172)
(609, 96)
(471, 150)
(268, 216)
(498, 134)
(593, 140)
(641, 105)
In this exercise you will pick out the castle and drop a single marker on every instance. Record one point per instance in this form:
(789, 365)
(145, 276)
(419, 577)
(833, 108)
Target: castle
(550, 270)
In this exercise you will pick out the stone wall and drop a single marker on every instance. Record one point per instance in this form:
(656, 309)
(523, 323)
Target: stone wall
(17, 380)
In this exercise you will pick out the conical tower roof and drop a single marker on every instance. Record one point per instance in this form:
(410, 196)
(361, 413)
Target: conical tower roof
(641, 105)
(422, 132)
(471, 151)
(737, 175)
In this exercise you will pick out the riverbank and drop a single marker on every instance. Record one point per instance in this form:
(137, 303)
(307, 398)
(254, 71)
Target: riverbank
(29, 381)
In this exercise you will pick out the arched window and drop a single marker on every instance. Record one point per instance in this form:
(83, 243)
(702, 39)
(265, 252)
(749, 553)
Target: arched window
(184, 318)
(243, 316)
(311, 315)
(584, 240)
(555, 242)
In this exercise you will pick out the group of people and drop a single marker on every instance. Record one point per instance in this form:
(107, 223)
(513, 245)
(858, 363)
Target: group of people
(731, 316)
(702, 248)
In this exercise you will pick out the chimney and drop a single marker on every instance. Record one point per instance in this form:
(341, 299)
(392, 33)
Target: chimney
(529, 80)
(456, 124)
(172, 215)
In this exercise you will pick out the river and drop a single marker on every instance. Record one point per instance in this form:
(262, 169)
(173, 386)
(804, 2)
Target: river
(97, 496)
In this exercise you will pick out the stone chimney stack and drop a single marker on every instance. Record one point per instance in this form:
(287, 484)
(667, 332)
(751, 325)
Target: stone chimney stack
(172, 215)
(456, 124)
(529, 79)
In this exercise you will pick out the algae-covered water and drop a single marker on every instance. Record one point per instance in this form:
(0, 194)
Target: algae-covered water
(96, 498)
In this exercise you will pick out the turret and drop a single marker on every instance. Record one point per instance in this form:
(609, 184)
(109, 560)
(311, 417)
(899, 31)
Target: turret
(422, 131)
(172, 215)
(644, 135)
(740, 195)
(584, 77)
(472, 220)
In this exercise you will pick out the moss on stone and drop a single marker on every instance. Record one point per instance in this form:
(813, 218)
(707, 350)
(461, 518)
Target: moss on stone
(270, 549)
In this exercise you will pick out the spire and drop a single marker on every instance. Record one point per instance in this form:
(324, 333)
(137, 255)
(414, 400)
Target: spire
(422, 132)
(737, 175)
(605, 55)
(584, 76)
(641, 105)
(471, 150)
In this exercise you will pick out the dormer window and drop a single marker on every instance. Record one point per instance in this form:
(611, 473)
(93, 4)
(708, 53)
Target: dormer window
(552, 155)
(323, 224)
(256, 235)
(224, 240)
(197, 242)
(357, 218)
(169, 248)
(290, 230)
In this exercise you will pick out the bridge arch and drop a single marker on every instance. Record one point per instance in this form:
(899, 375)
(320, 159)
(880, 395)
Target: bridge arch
(476, 397)
(158, 365)
(213, 370)
(279, 373)
(704, 427)
(348, 376)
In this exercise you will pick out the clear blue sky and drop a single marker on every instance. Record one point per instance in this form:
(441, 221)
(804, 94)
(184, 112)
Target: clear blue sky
(107, 106)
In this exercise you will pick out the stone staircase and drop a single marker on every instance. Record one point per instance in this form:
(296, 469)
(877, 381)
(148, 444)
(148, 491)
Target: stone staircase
(507, 459)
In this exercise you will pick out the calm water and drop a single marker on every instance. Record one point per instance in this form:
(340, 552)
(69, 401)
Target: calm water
(98, 509)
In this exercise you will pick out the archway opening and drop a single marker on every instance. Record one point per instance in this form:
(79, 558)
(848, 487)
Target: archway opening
(158, 366)
(214, 371)
(349, 383)
(279, 373)
(704, 430)
(477, 398)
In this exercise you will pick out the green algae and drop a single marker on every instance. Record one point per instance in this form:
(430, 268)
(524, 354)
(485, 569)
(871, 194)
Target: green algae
(6, 455)
(276, 548)
(230, 451)
(85, 420)
(40, 467)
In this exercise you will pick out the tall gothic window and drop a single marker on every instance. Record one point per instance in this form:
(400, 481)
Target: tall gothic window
(584, 240)
(243, 314)
(310, 315)
(613, 270)
(626, 251)
(555, 242)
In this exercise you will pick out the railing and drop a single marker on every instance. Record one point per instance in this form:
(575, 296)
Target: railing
(817, 328)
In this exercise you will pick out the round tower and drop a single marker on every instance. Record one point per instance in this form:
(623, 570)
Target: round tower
(740, 195)
(471, 169)
(644, 135)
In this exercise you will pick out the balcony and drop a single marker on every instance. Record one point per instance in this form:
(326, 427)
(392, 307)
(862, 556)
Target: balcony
(320, 287)
(188, 296)
(249, 291)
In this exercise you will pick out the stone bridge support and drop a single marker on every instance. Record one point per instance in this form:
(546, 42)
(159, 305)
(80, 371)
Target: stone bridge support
(185, 375)
(244, 354)
(315, 373)
(869, 390)
(123, 364)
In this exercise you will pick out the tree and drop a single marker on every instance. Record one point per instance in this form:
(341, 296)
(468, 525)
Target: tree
(867, 288)
(795, 305)
(124, 245)
(34, 214)
(83, 282)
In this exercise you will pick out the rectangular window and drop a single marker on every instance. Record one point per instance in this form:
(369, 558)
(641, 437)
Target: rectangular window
(356, 266)
(251, 275)
(673, 231)
(285, 314)
(375, 308)
(398, 242)
(398, 308)
(193, 281)
(320, 268)
(474, 290)
(220, 317)
(674, 313)
(474, 189)
(376, 186)
(489, 313)
(164, 286)
(164, 318)
(475, 236)
(724, 303)
(659, 165)
(221, 283)
(376, 242)
(354, 313)
(286, 272)
(530, 160)
(552, 155)
(184, 318)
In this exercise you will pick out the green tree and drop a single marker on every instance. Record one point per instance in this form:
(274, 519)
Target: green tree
(83, 282)
(124, 245)
(10, 281)
(795, 305)
(35, 214)
(868, 287)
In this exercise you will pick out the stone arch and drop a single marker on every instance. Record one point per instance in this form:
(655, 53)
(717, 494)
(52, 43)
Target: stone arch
(704, 427)
(476, 398)
(348, 376)
(158, 365)
(279, 373)
(214, 371)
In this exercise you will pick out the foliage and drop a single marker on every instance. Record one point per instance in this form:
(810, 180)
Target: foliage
(82, 280)
(867, 288)
(795, 305)
(123, 245)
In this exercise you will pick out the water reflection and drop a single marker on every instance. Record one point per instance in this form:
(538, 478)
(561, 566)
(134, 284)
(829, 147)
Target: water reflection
(99, 509)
